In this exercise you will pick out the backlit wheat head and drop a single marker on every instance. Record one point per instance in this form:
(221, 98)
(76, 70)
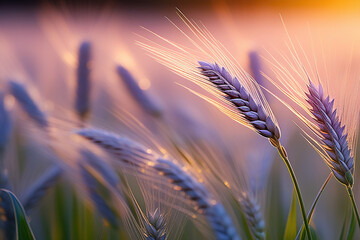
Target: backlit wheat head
(329, 107)
(208, 64)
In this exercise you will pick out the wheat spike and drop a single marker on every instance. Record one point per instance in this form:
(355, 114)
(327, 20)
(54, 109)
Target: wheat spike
(91, 183)
(98, 176)
(331, 132)
(21, 94)
(82, 100)
(128, 152)
(241, 99)
(256, 67)
(110, 176)
(40, 187)
(147, 103)
(253, 215)
(155, 226)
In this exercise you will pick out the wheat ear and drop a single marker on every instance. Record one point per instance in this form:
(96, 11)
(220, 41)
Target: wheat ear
(253, 215)
(91, 183)
(147, 103)
(334, 139)
(332, 135)
(129, 153)
(23, 97)
(98, 177)
(256, 67)
(82, 100)
(234, 92)
(40, 187)
(155, 226)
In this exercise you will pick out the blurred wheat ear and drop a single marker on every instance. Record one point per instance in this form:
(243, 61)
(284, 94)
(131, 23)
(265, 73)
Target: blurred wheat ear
(256, 67)
(142, 98)
(253, 215)
(40, 187)
(83, 86)
(101, 186)
(26, 102)
(107, 212)
(155, 226)
(109, 175)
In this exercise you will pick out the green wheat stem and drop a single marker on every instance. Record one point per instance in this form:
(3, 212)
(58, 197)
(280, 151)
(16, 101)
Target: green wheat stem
(351, 195)
(283, 155)
(309, 216)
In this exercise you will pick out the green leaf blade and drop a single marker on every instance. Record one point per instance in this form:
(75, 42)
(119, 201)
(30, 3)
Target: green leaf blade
(290, 230)
(23, 230)
(352, 225)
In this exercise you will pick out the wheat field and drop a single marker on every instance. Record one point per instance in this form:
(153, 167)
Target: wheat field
(222, 120)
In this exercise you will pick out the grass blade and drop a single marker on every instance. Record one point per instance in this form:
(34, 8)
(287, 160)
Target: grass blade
(23, 230)
(352, 225)
(290, 230)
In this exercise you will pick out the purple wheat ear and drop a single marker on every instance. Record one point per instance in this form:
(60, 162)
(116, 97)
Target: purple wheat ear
(252, 212)
(26, 102)
(97, 176)
(240, 98)
(83, 84)
(155, 226)
(331, 132)
(142, 98)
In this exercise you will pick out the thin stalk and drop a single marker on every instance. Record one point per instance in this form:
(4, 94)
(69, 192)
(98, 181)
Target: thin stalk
(349, 189)
(309, 216)
(283, 155)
